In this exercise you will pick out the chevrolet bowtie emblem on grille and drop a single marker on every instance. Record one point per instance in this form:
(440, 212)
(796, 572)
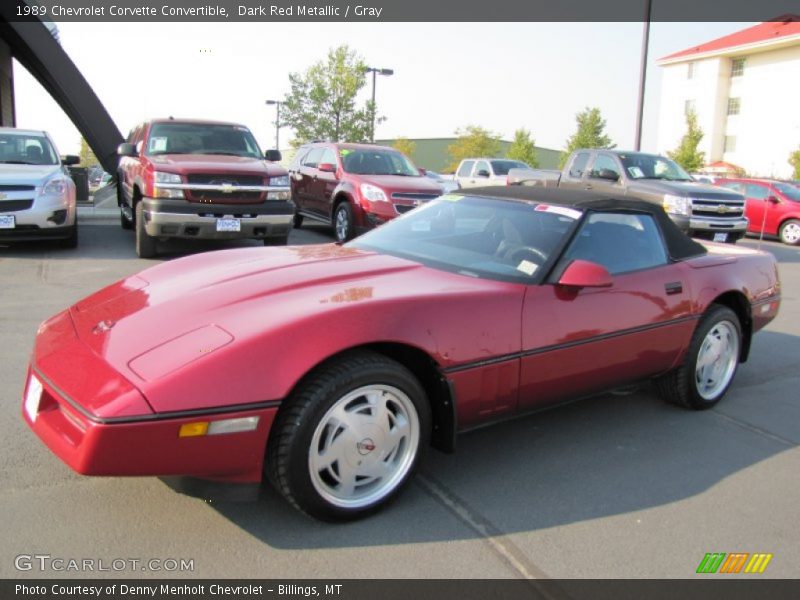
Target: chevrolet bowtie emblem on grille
(722, 209)
(227, 188)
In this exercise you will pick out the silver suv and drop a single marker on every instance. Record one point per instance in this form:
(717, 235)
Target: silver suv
(37, 196)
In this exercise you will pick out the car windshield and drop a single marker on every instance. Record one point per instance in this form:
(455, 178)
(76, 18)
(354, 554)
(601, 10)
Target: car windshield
(651, 166)
(201, 138)
(502, 167)
(475, 236)
(788, 190)
(27, 149)
(377, 162)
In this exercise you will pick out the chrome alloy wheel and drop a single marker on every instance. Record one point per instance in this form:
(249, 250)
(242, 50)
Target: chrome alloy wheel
(342, 224)
(790, 233)
(364, 446)
(717, 360)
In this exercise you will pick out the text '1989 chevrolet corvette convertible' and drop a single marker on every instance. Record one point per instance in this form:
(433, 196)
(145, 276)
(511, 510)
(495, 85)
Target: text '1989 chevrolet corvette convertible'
(331, 369)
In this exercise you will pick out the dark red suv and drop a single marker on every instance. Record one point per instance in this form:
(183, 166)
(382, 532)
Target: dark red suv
(355, 187)
(773, 206)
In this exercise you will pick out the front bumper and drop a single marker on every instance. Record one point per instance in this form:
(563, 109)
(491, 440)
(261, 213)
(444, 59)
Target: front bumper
(98, 422)
(47, 218)
(711, 225)
(182, 219)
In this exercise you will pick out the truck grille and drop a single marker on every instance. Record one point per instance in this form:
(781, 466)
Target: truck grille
(719, 208)
(220, 197)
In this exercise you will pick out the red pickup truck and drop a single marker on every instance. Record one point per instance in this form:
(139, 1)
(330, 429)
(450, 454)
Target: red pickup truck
(200, 179)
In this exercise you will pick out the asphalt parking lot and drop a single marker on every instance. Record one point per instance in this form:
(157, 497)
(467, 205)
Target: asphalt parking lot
(613, 486)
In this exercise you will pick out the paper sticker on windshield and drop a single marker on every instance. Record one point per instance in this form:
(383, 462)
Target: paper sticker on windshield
(158, 144)
(344, 152)
(636, 172)
(451, 197)
(559, 210)
(527, 267)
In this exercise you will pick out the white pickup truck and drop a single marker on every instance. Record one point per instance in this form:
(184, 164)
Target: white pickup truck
(479, 172)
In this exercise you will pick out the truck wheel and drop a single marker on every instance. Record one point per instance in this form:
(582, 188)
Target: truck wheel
(72, 240)
(350, 437)
(145, 245)
(710, 362)
(343, 225)
(790, 232)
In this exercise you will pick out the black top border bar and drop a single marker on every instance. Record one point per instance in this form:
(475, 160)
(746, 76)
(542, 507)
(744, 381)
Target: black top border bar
(409, 11)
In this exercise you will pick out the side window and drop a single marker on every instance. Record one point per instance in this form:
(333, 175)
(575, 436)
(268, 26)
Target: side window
(620, 242)
(759, 192)
(578, 165)
(604, 162)
(482, 166)
(465, 169)
(328, 156)
(312, 158)
(299, 156)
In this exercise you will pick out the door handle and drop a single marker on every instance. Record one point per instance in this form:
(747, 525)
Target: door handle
(674, 287)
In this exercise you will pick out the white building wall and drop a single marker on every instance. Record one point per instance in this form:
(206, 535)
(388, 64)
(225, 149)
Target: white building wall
(767, 128)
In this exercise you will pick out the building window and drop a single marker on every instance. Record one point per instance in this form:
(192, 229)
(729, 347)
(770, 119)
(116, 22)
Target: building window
(737, 67)
(734, 105)
(730, 143)
(690, 70)
(688, 107)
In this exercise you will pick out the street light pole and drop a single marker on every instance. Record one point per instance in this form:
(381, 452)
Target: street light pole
(375, 71)
(637, 141)
(277, 104)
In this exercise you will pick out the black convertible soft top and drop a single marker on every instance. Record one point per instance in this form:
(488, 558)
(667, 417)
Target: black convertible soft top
(679, 245)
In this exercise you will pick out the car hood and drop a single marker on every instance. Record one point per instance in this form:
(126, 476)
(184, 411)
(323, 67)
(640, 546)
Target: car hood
(183, 164)
(693, 189)
(30, 174)
(399, 183)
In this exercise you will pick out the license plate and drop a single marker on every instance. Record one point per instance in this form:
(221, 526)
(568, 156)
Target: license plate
(7, 222)
(32, 398)
(229, 224)
(720, 237)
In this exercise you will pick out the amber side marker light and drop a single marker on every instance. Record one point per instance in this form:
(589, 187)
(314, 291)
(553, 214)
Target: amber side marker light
(201, 428)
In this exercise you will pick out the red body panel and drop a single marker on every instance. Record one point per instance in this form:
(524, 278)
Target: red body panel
(761, 212)
(216, 331)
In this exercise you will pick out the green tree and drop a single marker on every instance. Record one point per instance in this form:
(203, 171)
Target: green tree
(589, 134)
(88, 159)
(523, 148)
(405, 145)
(473, 141)
(794, 160)
(322, 103)
(686, 154)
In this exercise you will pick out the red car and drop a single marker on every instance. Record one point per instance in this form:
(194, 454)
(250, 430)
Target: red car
(332, 368)
(773, 206)
(355, 187)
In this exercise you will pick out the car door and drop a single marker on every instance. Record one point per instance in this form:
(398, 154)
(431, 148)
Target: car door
(324, 183)
(758, 209)
(573, 176)
(305, 177)
(596, 180)
(481, 174)
(577, 341)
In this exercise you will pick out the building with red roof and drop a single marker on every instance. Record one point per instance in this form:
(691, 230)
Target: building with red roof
(744, 88)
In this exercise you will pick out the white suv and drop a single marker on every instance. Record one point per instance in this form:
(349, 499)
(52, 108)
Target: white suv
(478, 172)
(37, 196)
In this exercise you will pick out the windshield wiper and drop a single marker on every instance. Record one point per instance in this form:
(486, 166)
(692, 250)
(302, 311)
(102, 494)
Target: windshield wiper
(159, 153)
(219, 153)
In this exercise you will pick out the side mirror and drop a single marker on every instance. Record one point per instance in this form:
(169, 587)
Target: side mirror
(273, 155)
(585, 274)
(327, 167)
(126, 149)
(773, 200)
(482, 173)
(607, 174)
(70, 159)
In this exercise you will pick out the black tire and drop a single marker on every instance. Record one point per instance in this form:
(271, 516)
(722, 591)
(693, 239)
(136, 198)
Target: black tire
(71, 241)
(305, 417)
(680, 386)
(276, 241)
(145, 245)
(343, 227)
(297, 220)
(790, 232)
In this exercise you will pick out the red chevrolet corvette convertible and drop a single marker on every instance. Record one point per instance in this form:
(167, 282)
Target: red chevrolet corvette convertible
(330, 369)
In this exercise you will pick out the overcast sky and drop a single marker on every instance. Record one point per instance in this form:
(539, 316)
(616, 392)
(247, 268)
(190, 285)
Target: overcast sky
(501, 76)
